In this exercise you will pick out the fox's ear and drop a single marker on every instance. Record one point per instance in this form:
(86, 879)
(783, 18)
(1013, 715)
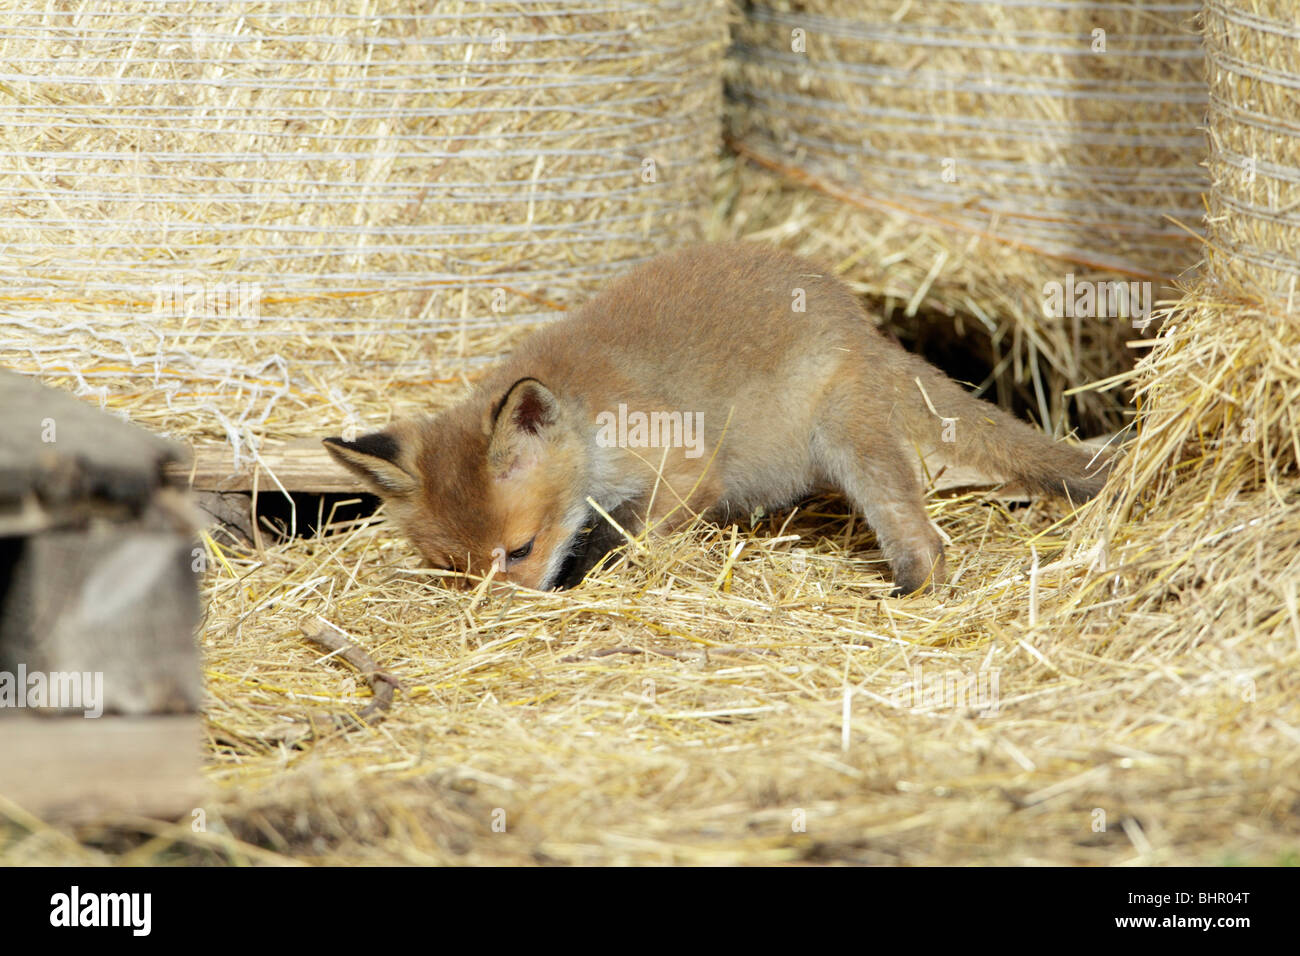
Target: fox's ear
(520, 426)
(377, 459)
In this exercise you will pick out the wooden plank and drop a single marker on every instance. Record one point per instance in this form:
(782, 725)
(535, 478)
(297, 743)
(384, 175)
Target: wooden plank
(74, 770)
(302, 465)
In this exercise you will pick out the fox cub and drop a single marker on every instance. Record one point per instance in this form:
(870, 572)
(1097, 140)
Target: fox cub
(713, 380)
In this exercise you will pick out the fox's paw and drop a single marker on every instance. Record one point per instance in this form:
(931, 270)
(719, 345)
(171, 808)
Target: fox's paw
(919, 572)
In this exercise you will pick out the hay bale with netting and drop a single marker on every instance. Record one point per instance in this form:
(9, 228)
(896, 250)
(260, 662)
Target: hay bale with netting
(1216, 453)
(250, 221)
(977, 152)
(1253, 52)
(1195, 554)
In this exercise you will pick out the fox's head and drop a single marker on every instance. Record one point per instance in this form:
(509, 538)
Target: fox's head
(488, 483)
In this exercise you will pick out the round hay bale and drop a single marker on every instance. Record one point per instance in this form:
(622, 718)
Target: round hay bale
(1201, 521)
(1220, 388)
(245, 219)
(1253, 56)
(987, 150)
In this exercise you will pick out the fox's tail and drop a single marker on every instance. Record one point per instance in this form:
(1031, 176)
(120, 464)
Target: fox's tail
(995, 443)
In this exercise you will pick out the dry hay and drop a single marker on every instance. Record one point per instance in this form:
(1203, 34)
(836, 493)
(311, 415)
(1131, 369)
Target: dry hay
(1208, 514)
(978, 151)
(688, 705)
(1219, 438)
(253, 220)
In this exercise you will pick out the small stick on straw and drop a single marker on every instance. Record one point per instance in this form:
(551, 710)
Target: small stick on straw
(327, 636)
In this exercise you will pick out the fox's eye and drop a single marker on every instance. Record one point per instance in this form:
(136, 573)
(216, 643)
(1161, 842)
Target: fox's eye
(518, 554)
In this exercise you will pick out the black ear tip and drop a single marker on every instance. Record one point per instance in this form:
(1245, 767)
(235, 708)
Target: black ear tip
(334, 443)
(375, 445)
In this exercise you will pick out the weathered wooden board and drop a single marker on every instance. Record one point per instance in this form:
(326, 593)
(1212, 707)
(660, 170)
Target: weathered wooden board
(305, 466)
(75, 770)
(302, 466)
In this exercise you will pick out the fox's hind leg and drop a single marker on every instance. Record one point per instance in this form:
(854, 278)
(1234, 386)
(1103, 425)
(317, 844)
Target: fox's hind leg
(877, 475)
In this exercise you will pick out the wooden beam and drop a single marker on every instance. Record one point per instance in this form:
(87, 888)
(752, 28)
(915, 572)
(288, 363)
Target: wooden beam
(74, 770)
(302, 465)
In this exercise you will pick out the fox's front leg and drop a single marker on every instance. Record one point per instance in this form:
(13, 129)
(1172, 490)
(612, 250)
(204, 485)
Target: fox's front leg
(674, 503)
(664, 502)
(670, 496)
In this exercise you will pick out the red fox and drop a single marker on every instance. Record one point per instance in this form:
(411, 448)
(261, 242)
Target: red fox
(714, 380)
